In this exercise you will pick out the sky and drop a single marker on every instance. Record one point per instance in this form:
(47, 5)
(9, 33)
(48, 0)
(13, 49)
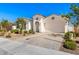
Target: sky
(11, 11)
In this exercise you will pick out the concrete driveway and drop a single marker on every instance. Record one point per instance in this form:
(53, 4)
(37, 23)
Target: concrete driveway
(9, 47)
(46, 41)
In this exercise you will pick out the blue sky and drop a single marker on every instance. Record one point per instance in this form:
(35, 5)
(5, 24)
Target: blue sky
(11, 11)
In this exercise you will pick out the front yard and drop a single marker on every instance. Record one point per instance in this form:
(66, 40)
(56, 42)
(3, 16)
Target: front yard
(49, 41)
(15, 34)
(70, 45)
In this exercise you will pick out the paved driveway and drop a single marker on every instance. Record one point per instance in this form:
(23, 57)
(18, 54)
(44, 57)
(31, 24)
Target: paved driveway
(46, 41)
(35, 45)
(9, 47)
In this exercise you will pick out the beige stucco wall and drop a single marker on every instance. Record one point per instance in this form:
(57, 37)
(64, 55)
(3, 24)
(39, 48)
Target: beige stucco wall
(28, 24)
(14, 27)
(40, 18)
(54, 25)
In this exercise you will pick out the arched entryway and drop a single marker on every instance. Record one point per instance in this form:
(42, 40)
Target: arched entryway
(37, 26)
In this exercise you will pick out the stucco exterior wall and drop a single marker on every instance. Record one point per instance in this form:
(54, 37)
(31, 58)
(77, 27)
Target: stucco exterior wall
(14, 27)
(39, 19)
(52, 23)
(55, 24)
(28, 25)
(69, 27)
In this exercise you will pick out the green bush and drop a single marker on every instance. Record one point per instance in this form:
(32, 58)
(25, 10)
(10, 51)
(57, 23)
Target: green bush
(25, 31)
(70, 44)
(30, 31)
(68, 35)
(2, 31)
(15, 31)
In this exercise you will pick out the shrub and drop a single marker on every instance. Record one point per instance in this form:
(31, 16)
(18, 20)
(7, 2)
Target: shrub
(2, 31)
(25, 31)
(15, 31)
(70, 44)
(68, 35)
(30, 31)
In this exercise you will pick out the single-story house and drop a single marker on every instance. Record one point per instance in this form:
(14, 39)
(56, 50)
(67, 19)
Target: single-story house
(52, 23)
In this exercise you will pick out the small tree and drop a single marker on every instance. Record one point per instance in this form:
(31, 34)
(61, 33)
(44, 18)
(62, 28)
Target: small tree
(21, 23)
(5, 24)
(75, 11)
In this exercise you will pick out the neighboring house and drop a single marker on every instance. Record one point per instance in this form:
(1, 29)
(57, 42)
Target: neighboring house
(28, 24)
(14, 26)
(69, 27)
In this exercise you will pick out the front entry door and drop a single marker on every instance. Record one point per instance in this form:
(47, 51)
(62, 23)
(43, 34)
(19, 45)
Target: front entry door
(37, 26)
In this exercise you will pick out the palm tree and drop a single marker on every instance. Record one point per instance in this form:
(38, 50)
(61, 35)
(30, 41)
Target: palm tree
(5, 24)
(21, 24)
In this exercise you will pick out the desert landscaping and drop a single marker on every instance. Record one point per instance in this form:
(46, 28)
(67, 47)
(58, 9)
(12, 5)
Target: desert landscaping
(41, 35)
